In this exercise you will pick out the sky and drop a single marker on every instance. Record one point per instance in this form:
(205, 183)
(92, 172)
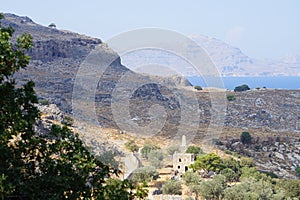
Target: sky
(263, 29)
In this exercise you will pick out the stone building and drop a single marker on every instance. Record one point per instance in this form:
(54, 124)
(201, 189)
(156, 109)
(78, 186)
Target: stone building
(181, 161)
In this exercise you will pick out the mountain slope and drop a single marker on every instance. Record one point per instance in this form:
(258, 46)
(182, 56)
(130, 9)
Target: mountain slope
(231, 61)
(57, 55)
(55, 58)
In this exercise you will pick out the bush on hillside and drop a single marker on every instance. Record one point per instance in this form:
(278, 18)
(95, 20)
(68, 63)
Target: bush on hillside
(241, 88)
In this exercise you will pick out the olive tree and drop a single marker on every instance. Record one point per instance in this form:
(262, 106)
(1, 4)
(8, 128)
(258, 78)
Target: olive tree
(172, 187)
(145, 174)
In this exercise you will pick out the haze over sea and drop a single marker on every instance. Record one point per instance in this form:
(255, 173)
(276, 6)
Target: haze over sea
(275, 82)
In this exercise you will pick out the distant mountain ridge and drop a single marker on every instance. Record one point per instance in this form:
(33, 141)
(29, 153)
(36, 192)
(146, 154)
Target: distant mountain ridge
(231, 61)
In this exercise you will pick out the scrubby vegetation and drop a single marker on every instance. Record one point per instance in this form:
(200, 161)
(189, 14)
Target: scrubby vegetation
(145, 174)
(132, 146)
(147, 148)
(172, 187)
(197, 87)
(246, 138)
(246, 181)
(230, 97)
(68, 121)
(172, 149)
(241, 88)
(194, 150)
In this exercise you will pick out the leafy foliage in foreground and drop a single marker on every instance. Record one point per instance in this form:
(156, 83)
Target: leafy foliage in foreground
(51, 166)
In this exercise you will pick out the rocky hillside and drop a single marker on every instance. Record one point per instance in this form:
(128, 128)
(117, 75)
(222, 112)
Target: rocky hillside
(57, 55)
(55, 58)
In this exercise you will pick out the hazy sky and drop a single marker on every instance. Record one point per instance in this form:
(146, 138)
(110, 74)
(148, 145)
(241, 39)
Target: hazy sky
(260, 28)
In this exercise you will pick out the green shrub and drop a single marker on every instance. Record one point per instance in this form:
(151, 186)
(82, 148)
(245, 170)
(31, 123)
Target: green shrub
(172, 187)
(257, 147)
(155, 158)
(241, 88)
(144, 174)
(270, 174)
(228, 152)
(44, 102)
(197, 87)
(291, 188)
(250, 172)
(132, 146)
(230, 175)
(235, 154)
(236, 192)
(230, 97)
(213, 189)
(298, 171)
(246, 138)
(191, 179)
(108, 157)
(252, 189)
(233, 164)
(147, 149)
(52, 25)
(247, 162)
(194, 150)
(68, 121)
(172, 149)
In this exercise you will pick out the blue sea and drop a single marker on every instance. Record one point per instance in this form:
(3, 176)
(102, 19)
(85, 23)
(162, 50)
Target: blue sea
(276, 82)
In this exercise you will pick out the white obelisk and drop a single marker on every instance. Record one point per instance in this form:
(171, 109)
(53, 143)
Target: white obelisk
(183, 143)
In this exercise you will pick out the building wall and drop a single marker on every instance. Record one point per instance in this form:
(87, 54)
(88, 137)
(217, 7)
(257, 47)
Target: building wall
(181, 161)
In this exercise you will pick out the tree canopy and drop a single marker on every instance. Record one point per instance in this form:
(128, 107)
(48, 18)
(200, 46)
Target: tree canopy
(194, 150)
(172, 187)
(208, 162)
